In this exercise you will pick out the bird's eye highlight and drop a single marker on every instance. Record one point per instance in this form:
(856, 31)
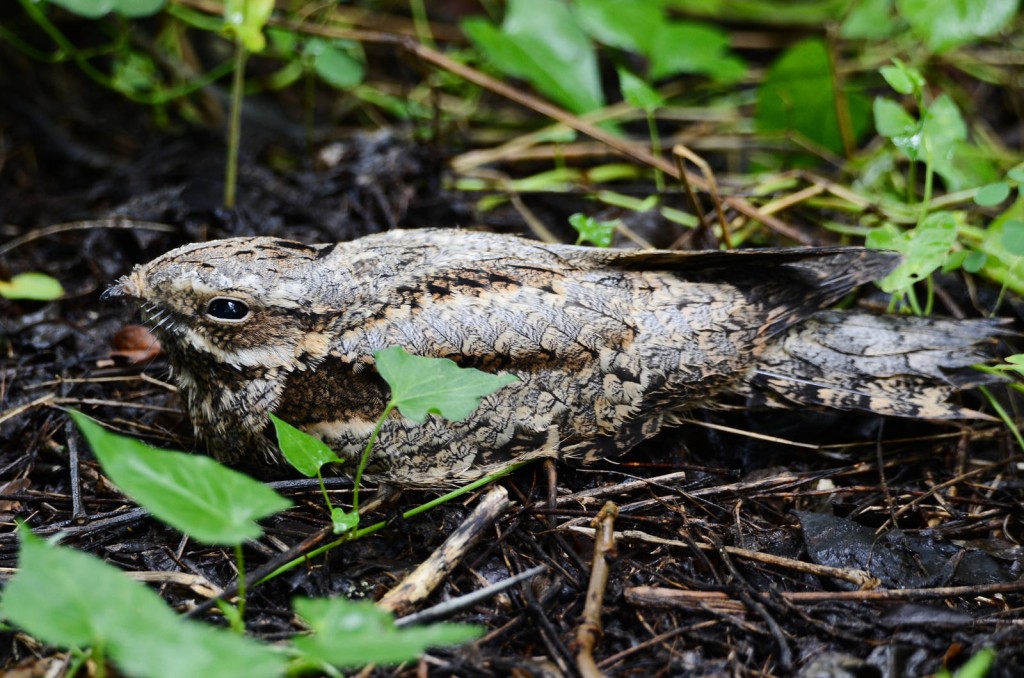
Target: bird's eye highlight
(226, 308)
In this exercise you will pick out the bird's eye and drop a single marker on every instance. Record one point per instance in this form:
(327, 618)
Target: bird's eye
(226, 308)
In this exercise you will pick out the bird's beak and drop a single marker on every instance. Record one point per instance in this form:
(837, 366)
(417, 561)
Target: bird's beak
(113, 292)
(125, 288)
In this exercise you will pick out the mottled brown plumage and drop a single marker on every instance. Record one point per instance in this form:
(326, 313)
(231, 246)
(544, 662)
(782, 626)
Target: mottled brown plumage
(608, 345)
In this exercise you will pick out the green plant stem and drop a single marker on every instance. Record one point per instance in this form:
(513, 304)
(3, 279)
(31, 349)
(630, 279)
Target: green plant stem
(411, 513)
(366, 455)
(915, 305)
(1002, 290)
(235, 124)
(323, 490)
(99, 656)
(999, 370)
(652, 130)
(421, 22)
(929, 302)
(1004, 415)
(929, 180)
(240, 564)
(911, 183)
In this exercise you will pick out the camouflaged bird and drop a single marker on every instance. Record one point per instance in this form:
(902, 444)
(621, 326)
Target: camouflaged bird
(608, 346)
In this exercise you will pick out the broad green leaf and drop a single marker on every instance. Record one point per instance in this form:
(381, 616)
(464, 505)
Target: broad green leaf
(974, 262)
(334, 65)
(599, 233)
(942, 126)
(924, 248)
(284, 41)
(138, 8)
(625, 24)
(305, 452)
(903, 78)
(966, 166)
(421, 386)
(31, 286)
(343, 522)
(541, 42)
(94, 9)
(1013, 237)
(351, 634)
(1016, 174)
(943, 132)
(869, 19)
(893, 122)
(991, 195)
(950, 23)
(194, 494)
(687, 47)
(638, 93)
(798, 94)
(71, 599)
(246, 19)
(67, 598)
(134, 72)
(195, 649)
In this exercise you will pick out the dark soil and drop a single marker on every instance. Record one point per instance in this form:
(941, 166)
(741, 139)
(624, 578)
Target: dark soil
(923, 507)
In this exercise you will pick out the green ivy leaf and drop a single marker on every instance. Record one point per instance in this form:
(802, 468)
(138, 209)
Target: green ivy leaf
(974, 261)
(624, 24)
(305, 452)
(903, 78)
(599, 233)
(94, 9)
(541, 42)
(638, 93)
(194, 494)
(941, 127)
(343, 522)
(1016, 174)
(369, 634)
(31, 286)
(688, 47)
(893, 122)
(1013, 237)
(869, 19)
(798, 95)
(421, 386)
(334, 64)
(71, 599)
(46, 597)
(991, 195)
(951, 23)
(924, 248)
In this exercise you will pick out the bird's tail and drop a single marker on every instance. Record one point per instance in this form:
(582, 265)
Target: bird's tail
(898, 366)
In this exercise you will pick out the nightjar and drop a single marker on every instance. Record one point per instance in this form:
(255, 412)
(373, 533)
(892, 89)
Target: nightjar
(608, 346)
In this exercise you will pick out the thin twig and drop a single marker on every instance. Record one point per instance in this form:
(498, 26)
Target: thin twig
(855, 576)
(449, 607)
(590, 630)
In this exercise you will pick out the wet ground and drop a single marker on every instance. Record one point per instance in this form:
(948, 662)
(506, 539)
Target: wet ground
(932, 511)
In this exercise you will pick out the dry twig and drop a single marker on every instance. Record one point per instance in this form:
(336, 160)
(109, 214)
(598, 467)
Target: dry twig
(589, 630)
